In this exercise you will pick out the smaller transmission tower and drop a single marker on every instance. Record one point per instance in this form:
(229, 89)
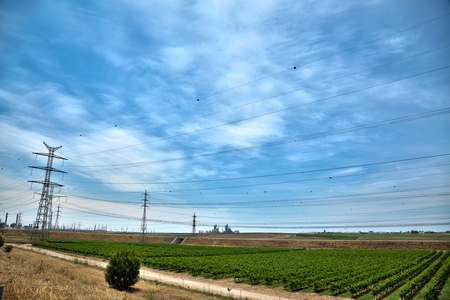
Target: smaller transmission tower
(43, 223)
(144, 217)
(193, 224)
(58, 213)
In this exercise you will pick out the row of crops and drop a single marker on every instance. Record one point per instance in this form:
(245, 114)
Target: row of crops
(356, 273)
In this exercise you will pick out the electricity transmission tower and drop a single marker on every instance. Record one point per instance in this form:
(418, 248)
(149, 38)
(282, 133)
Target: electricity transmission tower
(43, 223)
(58, 213)
(144, 216)
(193, 224)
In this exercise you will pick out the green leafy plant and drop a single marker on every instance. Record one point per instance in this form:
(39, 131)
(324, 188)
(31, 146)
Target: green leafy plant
(2, 241)
(8, 248)
(123, 270)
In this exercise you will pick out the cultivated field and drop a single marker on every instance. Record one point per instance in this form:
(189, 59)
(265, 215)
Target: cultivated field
(386, 269)
(364, 274)
(277, 240)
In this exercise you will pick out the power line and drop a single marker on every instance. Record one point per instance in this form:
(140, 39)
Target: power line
(271, 175)
(268, 113)
(247, 202)
(299, 180)
(287, 141)
(274, 201)
(270, 225)
(301, 65)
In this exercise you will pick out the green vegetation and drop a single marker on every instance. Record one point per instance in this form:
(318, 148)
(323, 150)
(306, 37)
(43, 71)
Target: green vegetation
(8, 248)
(351, 273)
(433, 288)
(104, 249)
(2, 241)
(123, 270)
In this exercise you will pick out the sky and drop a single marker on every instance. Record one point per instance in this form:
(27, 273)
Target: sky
(268, 116)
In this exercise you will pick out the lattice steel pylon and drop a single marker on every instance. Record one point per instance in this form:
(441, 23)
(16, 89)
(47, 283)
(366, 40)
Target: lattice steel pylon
(56, 227)
(144, 217)
(43, 223)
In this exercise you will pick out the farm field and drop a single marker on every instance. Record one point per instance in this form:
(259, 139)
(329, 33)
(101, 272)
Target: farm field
(274, 240)
(376, 236)
(362, 274)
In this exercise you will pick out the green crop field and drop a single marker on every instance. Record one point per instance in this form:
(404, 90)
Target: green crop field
(363, 274)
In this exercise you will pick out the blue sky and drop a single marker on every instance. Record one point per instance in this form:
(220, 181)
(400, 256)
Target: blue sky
(281, 116)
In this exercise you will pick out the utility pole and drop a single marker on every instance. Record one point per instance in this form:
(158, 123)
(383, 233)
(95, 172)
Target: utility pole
(193, 224)
(58, 213)
(144, 216)
(42, 226)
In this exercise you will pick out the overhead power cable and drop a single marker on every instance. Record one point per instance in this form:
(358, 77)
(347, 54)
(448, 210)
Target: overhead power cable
(265, 114)
(247, 202)
(294, 181)
(299, 66)
(267, 225)
(119, 216)
(416, 224)
(299, 180)
(287, 141)
(271, 175)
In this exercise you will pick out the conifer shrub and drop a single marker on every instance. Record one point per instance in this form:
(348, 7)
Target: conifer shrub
(123, 270)
(8, 248)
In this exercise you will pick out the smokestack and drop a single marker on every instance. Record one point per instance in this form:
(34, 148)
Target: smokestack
(17, 219)
(6, 218)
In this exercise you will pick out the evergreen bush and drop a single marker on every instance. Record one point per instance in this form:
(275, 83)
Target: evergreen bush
(2, 241)
(123, 270)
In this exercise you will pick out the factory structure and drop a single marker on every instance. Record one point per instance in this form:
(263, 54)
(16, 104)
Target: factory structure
(17, 224)
(216, 229)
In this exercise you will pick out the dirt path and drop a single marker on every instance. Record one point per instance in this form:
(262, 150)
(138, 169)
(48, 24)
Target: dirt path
(227, 288)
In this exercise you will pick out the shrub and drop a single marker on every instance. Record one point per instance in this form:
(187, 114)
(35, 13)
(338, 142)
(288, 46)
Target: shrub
(2, 241)
(8, 248)
(123, 270)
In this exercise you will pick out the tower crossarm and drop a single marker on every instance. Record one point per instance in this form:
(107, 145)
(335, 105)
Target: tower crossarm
(48, 154)
(49, 183)
(47, 169)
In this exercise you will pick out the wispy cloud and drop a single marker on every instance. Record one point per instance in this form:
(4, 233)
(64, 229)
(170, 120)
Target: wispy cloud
(118, 85)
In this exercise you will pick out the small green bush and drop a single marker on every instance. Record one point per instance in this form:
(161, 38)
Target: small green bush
(2, 241)
(123, 270)
(8, 248)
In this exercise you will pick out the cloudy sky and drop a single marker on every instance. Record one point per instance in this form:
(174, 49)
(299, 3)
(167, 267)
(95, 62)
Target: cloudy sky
(288, 116)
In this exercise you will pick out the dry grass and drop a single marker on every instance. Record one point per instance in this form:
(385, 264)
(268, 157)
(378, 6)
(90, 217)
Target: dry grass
(29, 275)
(26, 275)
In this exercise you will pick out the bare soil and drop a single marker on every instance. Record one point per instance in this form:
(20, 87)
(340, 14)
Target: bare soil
(277, 240)
(318, 244)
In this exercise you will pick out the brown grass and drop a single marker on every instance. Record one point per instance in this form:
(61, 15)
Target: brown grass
(29, 275)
